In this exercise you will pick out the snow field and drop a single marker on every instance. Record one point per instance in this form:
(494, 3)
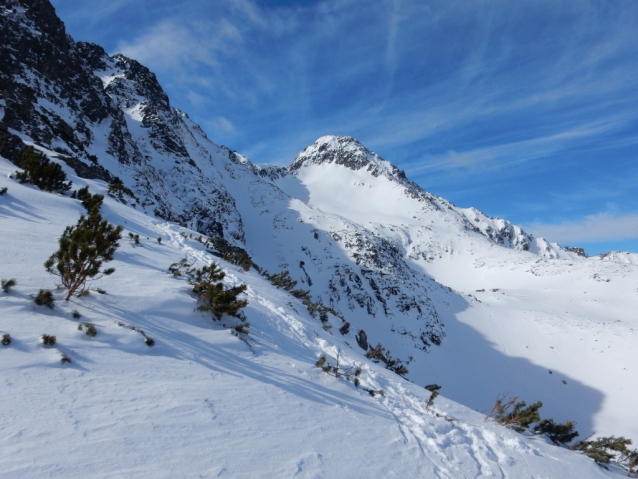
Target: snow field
(201, 403)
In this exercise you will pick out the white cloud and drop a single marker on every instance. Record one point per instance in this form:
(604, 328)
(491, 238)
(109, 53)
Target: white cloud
(600, 227)
(177, 43)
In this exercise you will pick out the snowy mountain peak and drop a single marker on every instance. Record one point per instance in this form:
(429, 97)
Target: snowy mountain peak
(346, 151)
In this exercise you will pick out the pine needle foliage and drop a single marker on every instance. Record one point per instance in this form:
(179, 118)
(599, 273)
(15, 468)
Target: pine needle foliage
(560, 434)
(117, 190)
(629, 460)
(48, 339)
(90, 329)
(45, 298)
(282, 280)
(434, 389)
(181, 266)
(232, 254)
(213, 295)
(515, 414)
(3, 190)
(380, 354)
(302, 294)
(89, 201)
(603, 449)
(40, 171)
(6, 339)
(7, 284)
(83, 249)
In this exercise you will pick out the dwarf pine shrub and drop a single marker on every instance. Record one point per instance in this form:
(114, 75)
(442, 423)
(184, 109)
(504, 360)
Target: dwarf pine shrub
(45, 298)
(135, 238)
(380, 354)
(117, 190)
(90, 328)
(213, 295)
(345, 329)
(3, 190)
(48, 340)
(558, 433)
(159, 240)
(40, 171)
(65, 358)
(351, 373)
(7, 284)
(83, 249)
(181, 265)
(6, 339)
(603, 449)
(76, 314)
(89, 201)
(515, 414)
(434, 389)
(629, 460)
(282, 280)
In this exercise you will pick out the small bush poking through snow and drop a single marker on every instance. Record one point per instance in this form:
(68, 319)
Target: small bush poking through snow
(83, 249)
(351, 373)
(64, 358)
(6, 339)
(603, 449)
(434, 389)
(629, 460)
(380, 354)
(90, 329)
(181, 265)
(117, 190)
(7, 284)
(147, 339)
(76, 314)
(514, 414)
(45, 298)
(213, 295)
(242, 328)
(89, 201)
(41, 172)
(558, 433)
(159, 239)
(48, 340)
(3, 190)
(345, 329)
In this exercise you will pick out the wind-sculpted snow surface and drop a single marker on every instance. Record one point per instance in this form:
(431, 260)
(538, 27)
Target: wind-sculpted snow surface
(200, 402)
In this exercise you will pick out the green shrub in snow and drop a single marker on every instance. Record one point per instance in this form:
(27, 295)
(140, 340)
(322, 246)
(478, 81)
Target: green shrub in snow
(7, 284)
(45, 298)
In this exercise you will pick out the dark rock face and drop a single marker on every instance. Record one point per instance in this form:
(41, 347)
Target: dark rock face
(362, 339)
(75, 99)
(575, 249)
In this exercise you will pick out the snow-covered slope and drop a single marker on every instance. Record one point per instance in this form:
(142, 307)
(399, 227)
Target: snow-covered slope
(468, 301)
(200, 402)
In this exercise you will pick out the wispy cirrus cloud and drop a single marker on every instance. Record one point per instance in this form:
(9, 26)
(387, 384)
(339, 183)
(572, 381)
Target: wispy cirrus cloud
(480, 101)
(594, 228)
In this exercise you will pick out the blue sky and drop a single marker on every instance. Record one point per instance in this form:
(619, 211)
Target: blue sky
(527, 110)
